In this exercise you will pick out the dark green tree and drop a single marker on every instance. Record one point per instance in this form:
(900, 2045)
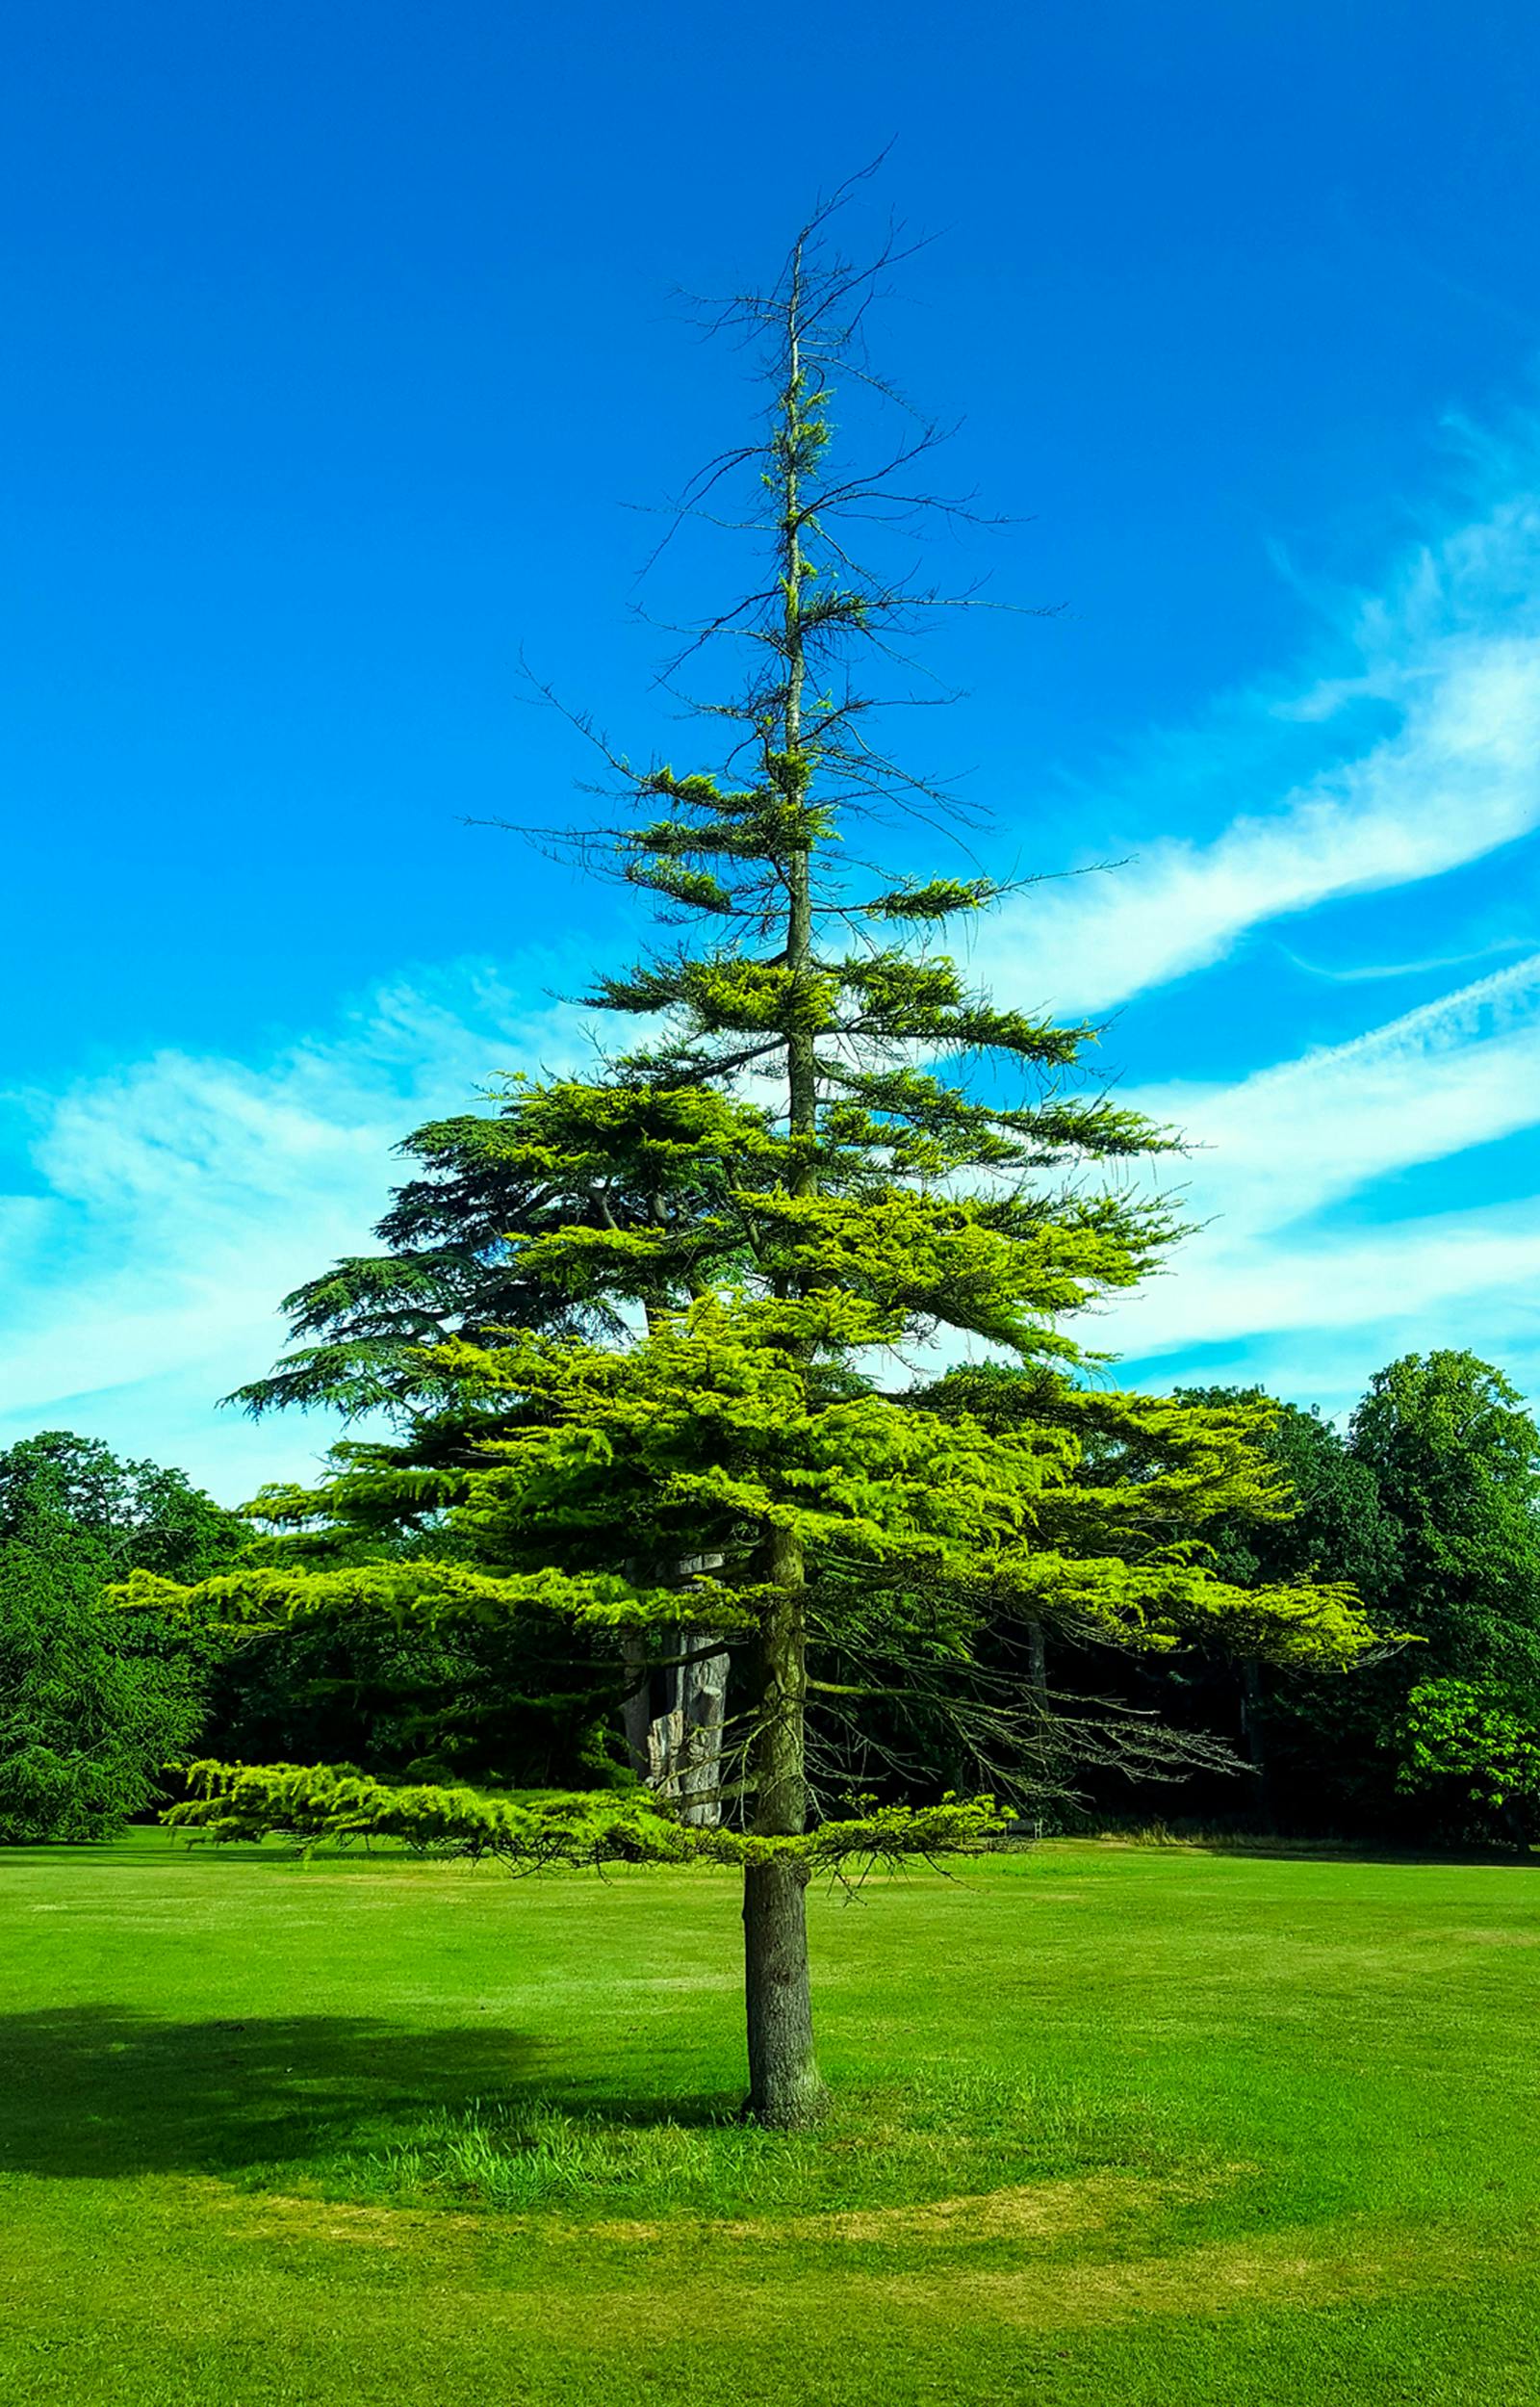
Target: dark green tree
(142, 1517)
(1336, 1528)
(1306, 1736)
(710, 1424)
(93, 1706)
(1474, 1748)
(1427, 1507)
(519, 1702)
(1455, 1456)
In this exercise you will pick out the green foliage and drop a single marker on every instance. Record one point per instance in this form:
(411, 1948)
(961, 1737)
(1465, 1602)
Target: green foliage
(1336, 1525)
(308, 1804)
(633, 1366)
(1429, 1508)
(520, 1697)
(548, 1830)
(86, 1721)
(138, 1516)
(1456, 1459)
(938, 898)
(1316, 1742)
(1480, 1742)
(91, 1706)
(714, 1433)
(423, 1587)
(553, 1213)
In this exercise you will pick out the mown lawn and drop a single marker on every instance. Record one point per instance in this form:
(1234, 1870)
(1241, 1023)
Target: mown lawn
(1117, 2125)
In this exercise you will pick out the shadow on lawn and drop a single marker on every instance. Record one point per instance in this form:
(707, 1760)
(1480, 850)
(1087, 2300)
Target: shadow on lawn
(100, 2091)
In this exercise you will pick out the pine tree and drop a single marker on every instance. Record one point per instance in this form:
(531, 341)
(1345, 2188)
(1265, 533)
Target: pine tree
(826, 1153)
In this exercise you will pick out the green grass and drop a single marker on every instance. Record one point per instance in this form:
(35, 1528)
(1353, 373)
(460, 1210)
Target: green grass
(1137, 2127)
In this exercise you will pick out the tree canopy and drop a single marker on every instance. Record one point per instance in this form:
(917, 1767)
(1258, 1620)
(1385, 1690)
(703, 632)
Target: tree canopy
(138, 1516)
(1455, 1455)
(91, 1707)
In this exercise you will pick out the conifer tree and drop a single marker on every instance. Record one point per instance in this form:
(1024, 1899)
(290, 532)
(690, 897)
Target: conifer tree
(824, 1152)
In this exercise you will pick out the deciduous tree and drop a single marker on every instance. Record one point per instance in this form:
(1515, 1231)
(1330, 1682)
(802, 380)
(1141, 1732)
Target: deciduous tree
(1455, 1456)
(91, 1707)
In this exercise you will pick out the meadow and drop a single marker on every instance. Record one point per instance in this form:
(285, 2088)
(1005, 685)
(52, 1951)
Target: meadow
(1114, 2124)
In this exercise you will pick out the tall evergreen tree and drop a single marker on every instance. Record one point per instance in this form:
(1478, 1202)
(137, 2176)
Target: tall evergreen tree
(854, 1153)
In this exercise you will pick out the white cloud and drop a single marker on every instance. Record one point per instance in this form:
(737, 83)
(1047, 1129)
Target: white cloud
(1452, 652)
(1310, 1266)
(1285, 1141)
(183, 1196)
(1282, 1147)
(1364, 973)
(179, 1198)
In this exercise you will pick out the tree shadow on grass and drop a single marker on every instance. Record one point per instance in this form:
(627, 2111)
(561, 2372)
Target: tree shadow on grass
(101, 2091)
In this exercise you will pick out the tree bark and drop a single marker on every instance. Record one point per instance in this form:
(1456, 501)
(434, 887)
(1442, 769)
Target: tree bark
(675, 1733)
(702, 1711)
(674, 1712)
(693, 1779)
(1037, 1675)
(1036, 1658)
(785, 2087)
(1253, 1717)
(636, 1712)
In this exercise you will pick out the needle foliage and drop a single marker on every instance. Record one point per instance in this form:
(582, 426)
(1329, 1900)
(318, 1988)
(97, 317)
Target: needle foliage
(825, 1150)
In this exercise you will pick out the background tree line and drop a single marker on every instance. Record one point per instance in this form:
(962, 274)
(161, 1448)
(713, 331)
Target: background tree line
(1427, 1504)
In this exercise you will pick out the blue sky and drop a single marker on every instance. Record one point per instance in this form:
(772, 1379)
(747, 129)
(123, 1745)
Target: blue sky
(343, 345)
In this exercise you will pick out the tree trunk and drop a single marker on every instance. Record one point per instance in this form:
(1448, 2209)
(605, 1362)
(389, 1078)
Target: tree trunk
(785, 2088)
(674, 1723)
(1253, 1716)
(702, 1713)
(674, 1712)
(636, 1712)
(1037, 1675)
(1036, 1658)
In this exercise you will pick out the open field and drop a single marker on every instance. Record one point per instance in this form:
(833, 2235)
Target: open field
(1117, 2125)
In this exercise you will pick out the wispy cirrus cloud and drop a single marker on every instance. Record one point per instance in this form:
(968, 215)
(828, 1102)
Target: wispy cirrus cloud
(1314, 1259)
(1279, 1152)
(1290, 1139)
(1370, 973)
(170, 1202)
(1440, 684)
(179, 1198)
